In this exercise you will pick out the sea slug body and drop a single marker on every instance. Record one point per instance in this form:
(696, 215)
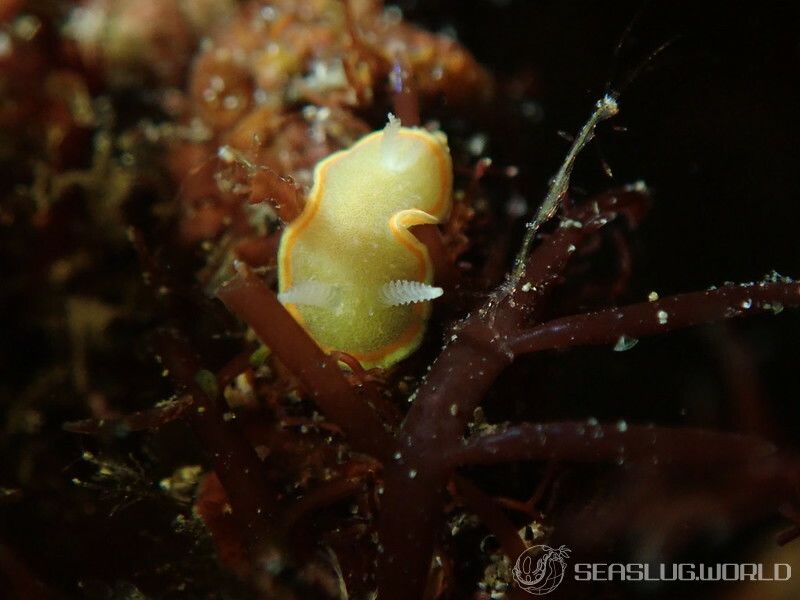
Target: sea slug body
(350, 271)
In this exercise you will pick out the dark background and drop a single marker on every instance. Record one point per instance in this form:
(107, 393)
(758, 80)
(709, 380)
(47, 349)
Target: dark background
(711, 125)
(713, 129)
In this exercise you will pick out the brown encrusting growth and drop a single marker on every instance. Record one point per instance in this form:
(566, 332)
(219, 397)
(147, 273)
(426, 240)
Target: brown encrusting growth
(170, 431)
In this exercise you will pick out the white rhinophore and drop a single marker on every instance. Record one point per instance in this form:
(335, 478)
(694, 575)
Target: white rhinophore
(397, 151)
(401, 291)
(310, 293)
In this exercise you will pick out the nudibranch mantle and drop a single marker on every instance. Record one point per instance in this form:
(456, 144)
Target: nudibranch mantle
(349, 270)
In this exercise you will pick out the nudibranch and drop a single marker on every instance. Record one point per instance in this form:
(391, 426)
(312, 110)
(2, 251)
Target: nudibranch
(349, 269)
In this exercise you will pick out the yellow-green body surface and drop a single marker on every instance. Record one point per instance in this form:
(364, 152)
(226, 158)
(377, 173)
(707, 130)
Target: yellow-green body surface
(350, 271)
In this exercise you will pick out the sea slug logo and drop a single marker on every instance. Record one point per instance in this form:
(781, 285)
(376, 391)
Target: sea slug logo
(540, 569)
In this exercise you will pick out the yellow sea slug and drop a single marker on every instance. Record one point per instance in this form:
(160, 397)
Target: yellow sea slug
(350, 271)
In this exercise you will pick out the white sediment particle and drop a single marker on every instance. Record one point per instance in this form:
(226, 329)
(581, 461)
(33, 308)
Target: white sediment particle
(268, 13)
(217, 83)
(230, 102)
(6, 47)
(625, 343)
(85, 25)
(477, 144)
(226, 154)
(662, 317)
(571, 223)
(637, 186)
(516, 206)
(326, 76)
